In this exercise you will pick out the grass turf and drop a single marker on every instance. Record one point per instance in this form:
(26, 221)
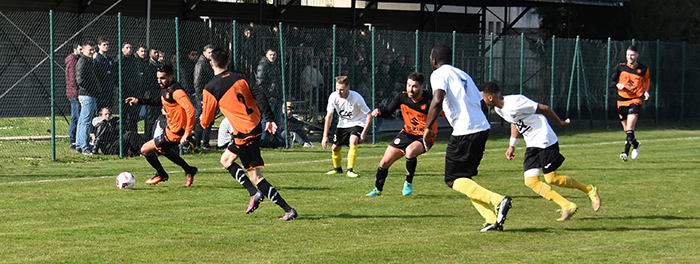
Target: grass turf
(71, 211)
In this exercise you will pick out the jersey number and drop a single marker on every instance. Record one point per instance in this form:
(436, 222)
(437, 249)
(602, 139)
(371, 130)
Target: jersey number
(241, 99)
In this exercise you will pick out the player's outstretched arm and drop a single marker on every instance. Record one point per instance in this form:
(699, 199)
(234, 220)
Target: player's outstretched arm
(546, 111)
(433, 112)
(131, 100)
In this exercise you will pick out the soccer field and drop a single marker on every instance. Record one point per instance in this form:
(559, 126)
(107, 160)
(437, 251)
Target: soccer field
(73, 212)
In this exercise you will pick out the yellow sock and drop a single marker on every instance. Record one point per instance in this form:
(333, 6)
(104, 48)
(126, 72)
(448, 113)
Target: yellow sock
(546, 191)
(480, 196)
(561, 180)
(352, 155)
(337, 157)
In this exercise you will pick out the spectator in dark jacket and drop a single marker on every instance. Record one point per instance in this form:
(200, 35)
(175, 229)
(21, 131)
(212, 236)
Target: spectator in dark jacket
(268, 75)
(88, 88)
(107, 73)
(72, 92)
(203, 73)
(107, 136)
(130, 87)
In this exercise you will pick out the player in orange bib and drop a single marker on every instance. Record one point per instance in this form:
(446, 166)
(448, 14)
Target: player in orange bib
(240, 100)
(414, 105)
(631, 80)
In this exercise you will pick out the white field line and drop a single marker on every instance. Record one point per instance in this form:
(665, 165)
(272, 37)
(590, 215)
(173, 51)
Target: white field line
(365, 157)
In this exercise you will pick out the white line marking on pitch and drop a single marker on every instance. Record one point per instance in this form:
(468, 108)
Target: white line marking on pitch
(370, 157)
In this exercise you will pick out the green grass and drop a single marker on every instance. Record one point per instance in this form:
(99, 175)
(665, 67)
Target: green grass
(71, 211)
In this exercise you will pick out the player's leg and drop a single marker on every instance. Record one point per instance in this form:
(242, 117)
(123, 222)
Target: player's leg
(390, 156)
(623, 112)
(352, 155)
(271, 193)
(337, 158)
(412, 152)
(228, 159)
(631, 123)
(149, 151)
(173, 155)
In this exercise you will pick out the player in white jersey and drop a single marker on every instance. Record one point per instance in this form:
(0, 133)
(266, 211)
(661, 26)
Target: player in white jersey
(529, 118)
(455, 93)
(354, 119)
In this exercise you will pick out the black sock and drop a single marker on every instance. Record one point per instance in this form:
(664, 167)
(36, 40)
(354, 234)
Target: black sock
(628, 140)
(410, 169)
(173, 156)
(239, 174)
(155, 163)
(271, 193)
(635, 143)
(380, 178)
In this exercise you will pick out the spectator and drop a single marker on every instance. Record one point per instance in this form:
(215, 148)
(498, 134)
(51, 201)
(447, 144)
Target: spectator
(107, 136)
(152, 90)
(107, 74)
(203, 73)
(298, 130)
(268, 75)
(130, 87)
(88, 88)
(312, 81)
(72, 92)
(187, 73)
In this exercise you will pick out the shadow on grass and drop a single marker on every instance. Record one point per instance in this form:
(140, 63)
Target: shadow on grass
(611, 229)
(351, 216)
(663, 217)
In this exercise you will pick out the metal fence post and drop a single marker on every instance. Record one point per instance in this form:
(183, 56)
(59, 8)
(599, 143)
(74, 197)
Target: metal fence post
(551, 81)
(522, 59)
(374, 59)
(454, 47)
(53, 88)
(658, 69)
(491, 58)
(416, 60)
(284, 88)
(121, 84)
(683, 84)
(234, 47)
(607, 89)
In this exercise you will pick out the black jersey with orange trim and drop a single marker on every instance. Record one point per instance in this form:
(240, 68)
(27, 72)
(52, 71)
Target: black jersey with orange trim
(415, 113)
(239, 99)
(636, 81)
(179, 111)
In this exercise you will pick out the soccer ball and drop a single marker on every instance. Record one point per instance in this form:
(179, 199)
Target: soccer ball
(125, 180)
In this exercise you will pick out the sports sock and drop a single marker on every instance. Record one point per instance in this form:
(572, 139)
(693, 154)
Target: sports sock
(480, 196)
(634, 141)
(337, 157)
(628, 140)
(561, 180)
(546, 191)
(410, 169)
(271, 193)
(380, 178)
(352, 155)
(155, 163)
(239, 174)
(175, 157)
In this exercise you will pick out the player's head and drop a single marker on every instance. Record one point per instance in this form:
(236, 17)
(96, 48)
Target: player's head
(164, 74)
(440, 55)
(207, 50)
(88, 48)
(414, 85)
(491, 93)
(219, 58)
(342, 85)
(632, 55)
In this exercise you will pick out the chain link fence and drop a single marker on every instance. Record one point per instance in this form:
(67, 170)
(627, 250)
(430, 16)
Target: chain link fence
(296, 66)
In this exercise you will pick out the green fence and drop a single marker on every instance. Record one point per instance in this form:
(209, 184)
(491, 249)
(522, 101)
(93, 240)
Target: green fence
(571, 75)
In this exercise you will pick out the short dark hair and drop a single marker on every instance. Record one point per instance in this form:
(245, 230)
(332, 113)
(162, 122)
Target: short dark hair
(632, 48)
(101, 40)
(490, 88)
(166, 67)
(88, 43)
(75, 45)
(442, 54)
(141, 45)
(417, 77)
(219, 57)
(208, 46)
(342, 80)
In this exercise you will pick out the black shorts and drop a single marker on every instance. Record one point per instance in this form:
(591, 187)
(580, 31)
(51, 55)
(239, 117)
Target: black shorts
(249, 153)
(632, 109)
(164, 144)
(548, 159)
(403, 140)
(463, 155)
(342, 135)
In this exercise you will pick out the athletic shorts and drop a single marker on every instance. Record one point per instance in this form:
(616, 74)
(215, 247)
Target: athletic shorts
(632, 109)
(548, 159)
(463, 155)
(164, 143)
(403, 140)
(342, 135)
(249, 153)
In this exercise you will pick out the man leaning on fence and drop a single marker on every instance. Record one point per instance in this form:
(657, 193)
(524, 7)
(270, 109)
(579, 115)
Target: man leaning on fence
(88, 88)
(72, 92)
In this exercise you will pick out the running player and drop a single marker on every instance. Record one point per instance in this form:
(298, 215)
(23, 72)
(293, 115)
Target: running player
(529, 118)
(631, 79)
(454, 92)
(240, 100)
(181, 118)
(354, 120)
(409, 142)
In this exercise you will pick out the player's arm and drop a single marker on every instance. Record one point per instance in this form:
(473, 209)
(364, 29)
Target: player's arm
(510, 153)
(209, 105)
(546, 111)
(385, 112)
(368, 122)
(191, 114)
(615, 79)
(326, 127)
(646, 83)
(263, 105)
(433, 112)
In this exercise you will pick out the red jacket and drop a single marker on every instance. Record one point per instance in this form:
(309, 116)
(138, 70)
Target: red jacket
(71, 83)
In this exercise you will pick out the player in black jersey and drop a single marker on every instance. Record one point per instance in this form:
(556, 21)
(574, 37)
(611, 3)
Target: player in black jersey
(414, 105)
